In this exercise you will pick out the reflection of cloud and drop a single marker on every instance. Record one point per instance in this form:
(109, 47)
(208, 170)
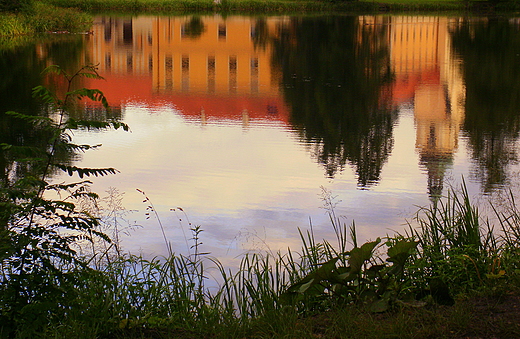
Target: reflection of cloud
(232, 182)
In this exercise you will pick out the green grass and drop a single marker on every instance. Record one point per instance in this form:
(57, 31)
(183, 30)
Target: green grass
(43, 18)
(11, 25)
(260, 6)
(63, 15)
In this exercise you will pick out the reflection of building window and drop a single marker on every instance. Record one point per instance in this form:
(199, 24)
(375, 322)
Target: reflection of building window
(127, 33)
(108, 61)
(432, 138)
(168, 70)
(150, 64)
(150, 39)
(129, 63)
(221, 31)
(183, 32)
(185, 73)
(211, 74)
(169, 31)
(232, 74)
(254, 75)
(272, 109)
(108, 31)
(193, 28)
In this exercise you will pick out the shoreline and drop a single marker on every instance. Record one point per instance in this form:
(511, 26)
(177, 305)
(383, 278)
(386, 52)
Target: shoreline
(256, 7)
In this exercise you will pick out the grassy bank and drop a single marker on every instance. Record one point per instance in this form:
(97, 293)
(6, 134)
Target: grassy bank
(70, 15)
(41, 18)
(285, 6)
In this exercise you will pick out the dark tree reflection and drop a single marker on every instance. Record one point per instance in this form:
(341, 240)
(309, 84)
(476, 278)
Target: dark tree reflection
(194, 28)
(20, 70)
(335, 71)
(490, 52)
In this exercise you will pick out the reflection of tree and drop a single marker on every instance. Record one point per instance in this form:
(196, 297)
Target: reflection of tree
(194, 28)
(21, 71)
(334, 72)
(491, 68)
(260, 33)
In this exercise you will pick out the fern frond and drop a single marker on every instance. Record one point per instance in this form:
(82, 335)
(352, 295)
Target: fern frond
(44, 94)
(86, 171)
(54, 69)
(64, 187)
(93, 124)
(90, 71)
(33, 119)
(92, 94)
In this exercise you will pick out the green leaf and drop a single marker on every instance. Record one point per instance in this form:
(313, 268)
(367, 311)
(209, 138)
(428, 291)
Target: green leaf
(399, 254)
(44, 94)
(359, 255)
(402, 247)
(92, 94)
(55, 69)
(86, 171)
(34, 119)
(92, 124)
(311, 284)
(89, 71)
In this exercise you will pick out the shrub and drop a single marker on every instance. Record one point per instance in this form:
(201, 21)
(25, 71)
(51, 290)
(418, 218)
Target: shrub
(38, 263)
(15, 5)
(49, 18)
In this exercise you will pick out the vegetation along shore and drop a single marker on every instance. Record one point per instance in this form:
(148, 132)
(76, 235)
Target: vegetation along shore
(24, 17)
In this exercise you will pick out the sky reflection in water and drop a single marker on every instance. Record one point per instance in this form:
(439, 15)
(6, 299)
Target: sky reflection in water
(242, 121)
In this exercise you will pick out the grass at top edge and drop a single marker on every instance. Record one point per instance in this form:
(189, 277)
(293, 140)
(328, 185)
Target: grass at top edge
(275, 6)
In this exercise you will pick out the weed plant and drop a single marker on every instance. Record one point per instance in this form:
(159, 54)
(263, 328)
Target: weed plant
(48, 18)
(11, 25)
(43, 18)
(285, 6)
(460, 248)
(256, 6)
(130, 296)
(451, 251)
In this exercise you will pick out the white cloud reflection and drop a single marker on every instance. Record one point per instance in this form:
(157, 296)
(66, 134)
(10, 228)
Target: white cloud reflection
(250, 188)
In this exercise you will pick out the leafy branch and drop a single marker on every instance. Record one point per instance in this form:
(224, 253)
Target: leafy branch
(37, 266)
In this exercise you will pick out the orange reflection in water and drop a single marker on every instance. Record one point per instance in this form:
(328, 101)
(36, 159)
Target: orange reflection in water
(213, 71)
(210, 69)
(427, 77)
(216, 72)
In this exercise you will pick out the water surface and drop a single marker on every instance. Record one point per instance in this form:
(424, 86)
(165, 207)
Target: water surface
(245, 122)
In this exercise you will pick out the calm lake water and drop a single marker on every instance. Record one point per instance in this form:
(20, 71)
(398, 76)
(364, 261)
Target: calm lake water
(244, 122)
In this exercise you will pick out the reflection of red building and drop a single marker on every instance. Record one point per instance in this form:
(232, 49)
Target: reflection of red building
(193, 106)
(405, 85)
(218, 74)
(426, 76)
